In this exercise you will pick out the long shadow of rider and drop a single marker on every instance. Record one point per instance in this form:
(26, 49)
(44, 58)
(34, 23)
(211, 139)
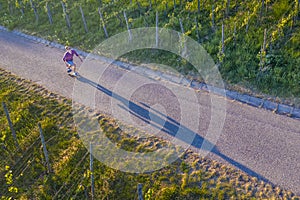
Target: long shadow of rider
(169, 126)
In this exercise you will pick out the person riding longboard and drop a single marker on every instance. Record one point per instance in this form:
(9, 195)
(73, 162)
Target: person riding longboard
(68, 59)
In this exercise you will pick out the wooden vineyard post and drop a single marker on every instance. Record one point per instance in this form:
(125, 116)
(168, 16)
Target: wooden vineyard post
(44, 148)
(223, 38)
(166, 9)
(66, 14)
(139, 7)
(140, 191)
(213, 18)
(236, 6)
(156, 31)
(181, 26)
(197, 29)
(92, 171)
(247, 25)
(263, 51)
(221, 54)
(127, 24)
(295, 14)
(234, 34)
(49, 13)
(184, 53)
(198, 7)
(262, 9)
(227, 8)
(10, 7)
(265, 40)
(10, 125)
(261, 64)
(20, 3)
(35, 11)
(102, 21)
(298, 9)
(223, 44)
(83, 19)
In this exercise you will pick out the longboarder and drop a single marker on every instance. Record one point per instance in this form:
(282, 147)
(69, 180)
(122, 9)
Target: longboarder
(68, 59)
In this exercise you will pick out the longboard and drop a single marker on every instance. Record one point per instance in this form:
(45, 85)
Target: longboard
(73, 76)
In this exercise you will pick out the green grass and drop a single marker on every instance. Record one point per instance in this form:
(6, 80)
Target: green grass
(275, 72)
(24, 174)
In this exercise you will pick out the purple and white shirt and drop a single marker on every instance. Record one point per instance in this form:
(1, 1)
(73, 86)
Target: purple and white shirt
(69, 55)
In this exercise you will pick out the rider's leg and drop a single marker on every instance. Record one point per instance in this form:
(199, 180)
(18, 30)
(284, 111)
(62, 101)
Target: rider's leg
(69, 64)
(74, 67)
(69, 68)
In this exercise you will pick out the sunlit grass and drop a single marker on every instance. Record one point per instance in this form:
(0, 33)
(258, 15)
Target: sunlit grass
(190, 177)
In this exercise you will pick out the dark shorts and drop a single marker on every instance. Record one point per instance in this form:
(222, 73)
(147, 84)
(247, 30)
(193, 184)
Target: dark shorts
(70, 62)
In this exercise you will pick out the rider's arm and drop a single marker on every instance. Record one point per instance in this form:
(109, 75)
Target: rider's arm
(77, 55)
(64, 57)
